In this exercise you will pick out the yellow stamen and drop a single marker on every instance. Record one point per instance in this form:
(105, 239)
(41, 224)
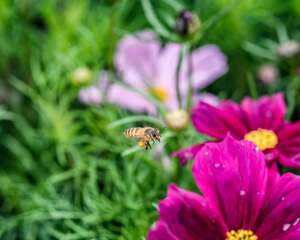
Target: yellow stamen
(160, 93)
(262, 138)
(241, 235)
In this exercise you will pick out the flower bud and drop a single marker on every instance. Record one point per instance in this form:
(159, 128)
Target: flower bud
(288, 49)
(81, 76)
(187, 23)
(177, 120)
(267, 73)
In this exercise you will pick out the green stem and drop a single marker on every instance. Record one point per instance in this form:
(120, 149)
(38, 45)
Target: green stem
(190, 80)
(178, 67)
(153, 20)
(141, 118)
(252, 86)
(291, 97)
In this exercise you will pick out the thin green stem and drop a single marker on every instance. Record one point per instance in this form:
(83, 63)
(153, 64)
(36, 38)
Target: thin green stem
(153, 20)
(190, 79)
(252, 85)
(141, 118)
(178, 67)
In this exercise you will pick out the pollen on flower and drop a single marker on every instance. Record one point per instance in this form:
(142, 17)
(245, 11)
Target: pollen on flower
(241, 235)
(159, 93)
(262, 138)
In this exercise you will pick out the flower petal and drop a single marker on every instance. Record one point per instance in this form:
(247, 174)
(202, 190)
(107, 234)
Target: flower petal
(90, 95)
(160, 231)
(189, 217)
(280, 217)
(217, 122)
(267, 112)
(233, 177)
(131, 100)
(188, 153)
(208, 63)
(289, 145)
(136, 58)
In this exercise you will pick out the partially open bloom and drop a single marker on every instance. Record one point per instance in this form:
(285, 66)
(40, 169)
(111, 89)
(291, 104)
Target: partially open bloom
(145, 65)
(237, 202)
(258, 121)
(268, 73)
(187, 23)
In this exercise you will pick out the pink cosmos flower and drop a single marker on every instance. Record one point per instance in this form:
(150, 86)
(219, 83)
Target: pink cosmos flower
(237, 202)
(259, 121)
(145, 65)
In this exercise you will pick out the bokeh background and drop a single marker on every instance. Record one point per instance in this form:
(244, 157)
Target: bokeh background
(66, 171)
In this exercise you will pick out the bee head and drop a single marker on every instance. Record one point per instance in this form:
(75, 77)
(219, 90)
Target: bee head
(155, 134)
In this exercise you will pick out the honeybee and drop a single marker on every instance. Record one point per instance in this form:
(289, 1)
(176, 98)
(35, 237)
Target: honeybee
(144, 135)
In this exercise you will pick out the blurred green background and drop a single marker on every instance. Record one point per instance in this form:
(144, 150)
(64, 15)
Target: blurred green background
(62, 173)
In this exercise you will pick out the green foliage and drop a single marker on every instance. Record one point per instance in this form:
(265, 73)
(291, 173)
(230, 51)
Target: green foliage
(62, 174)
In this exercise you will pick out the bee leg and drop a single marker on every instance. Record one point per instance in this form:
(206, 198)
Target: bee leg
(149, 145)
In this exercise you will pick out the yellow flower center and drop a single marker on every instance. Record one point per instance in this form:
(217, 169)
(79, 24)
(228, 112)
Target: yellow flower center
(262, 138)
(159, 93)
(241, 235)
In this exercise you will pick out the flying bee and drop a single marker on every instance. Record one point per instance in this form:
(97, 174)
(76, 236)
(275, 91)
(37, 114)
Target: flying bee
(144, 135)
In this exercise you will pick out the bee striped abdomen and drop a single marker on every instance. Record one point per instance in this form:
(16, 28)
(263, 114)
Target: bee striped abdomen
(133, 132)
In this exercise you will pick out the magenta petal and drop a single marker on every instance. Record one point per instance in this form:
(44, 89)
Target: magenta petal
(267, 112)
(160, 231)
(289, 145)
(217, 122)
(189, 217)
(188, 153)
(131, 100)
(233, 177)
(280, 217)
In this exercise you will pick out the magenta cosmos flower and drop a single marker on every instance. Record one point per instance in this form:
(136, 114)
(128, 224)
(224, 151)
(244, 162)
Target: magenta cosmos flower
(259, 121)
(145, 65)
(237, 202)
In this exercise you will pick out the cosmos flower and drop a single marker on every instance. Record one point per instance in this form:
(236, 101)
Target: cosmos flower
(259, 121)
(145, 65)
(237, 203)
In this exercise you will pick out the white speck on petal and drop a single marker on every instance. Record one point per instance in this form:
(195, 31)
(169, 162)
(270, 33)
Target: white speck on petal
(217, 165)
(242, 192)
(286, 226)
(296, 221)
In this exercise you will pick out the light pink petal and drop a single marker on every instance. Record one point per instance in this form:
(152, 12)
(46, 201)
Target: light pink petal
(166, 74)
(129, 99)
(208, 64)
(209, 98)
(233, 177)
(90, 95)
(136, 58)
